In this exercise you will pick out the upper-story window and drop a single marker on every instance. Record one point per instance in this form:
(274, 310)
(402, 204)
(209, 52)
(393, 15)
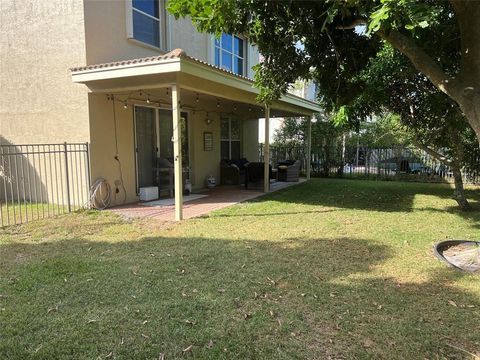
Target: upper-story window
(145, 21)
(230, 53)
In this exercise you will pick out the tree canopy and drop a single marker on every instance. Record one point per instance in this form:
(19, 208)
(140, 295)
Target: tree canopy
(431, 120)
(323, 40)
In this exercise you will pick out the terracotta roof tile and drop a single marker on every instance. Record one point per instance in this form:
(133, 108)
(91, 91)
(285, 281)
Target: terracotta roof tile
(174, 54)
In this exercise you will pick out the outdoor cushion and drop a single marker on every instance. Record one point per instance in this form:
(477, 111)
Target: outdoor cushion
(286, 162)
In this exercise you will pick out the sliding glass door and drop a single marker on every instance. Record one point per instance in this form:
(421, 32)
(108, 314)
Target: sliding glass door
(146, 145)
(154, 146)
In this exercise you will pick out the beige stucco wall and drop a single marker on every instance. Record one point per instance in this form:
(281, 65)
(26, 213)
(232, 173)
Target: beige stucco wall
(39, 42)
(183, 35)
(103, 149)
(204, 163)
(250, 139)
(106, 33)
(106, 36)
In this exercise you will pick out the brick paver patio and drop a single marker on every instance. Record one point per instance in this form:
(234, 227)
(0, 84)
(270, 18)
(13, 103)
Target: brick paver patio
(217, 198)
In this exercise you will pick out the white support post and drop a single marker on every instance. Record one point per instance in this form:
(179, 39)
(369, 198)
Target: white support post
(266, 152)
(309, 147)
(177, 152)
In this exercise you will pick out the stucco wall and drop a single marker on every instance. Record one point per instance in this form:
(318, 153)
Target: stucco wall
(106, 33)
(250, 139)
(106, 36)
(39, 42)
(204, 163)
(182, 34)
(103, 149)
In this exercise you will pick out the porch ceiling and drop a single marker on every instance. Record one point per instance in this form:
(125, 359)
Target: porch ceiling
(190, 74)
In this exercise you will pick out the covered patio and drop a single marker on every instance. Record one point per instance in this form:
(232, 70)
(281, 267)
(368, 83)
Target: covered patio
(176, 83)
(213, 199)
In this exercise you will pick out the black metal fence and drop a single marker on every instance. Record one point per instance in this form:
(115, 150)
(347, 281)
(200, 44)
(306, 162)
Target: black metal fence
(374, 163)
(42, 180)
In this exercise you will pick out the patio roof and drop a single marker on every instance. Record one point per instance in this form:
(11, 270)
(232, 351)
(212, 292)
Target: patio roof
(186, 76)
(189, 73)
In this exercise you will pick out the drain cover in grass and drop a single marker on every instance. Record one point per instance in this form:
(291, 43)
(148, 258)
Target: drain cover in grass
(461, 254)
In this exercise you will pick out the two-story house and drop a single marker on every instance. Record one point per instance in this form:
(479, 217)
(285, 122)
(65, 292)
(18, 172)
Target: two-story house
(139, 86)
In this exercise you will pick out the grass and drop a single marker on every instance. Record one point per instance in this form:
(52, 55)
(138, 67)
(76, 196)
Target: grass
(19, 211)
(328, 269)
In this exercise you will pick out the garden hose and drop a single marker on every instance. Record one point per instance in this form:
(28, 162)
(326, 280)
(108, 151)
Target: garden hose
(100, 194)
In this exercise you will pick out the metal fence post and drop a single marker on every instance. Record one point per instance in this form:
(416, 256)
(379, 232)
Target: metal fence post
(89, 184)
(66, 176)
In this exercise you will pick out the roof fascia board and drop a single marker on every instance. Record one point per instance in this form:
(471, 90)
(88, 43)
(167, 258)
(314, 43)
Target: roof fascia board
(206, 72)
(161, 67)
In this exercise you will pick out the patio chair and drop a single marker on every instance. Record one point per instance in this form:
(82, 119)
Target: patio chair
(288, 170)
(255, 173)
(232, 172)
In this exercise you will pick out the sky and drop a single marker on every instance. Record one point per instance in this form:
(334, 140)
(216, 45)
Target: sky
(275, 123)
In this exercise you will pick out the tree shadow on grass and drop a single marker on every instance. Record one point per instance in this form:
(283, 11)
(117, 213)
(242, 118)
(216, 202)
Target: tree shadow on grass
(301, 298)
(378, 196)
(371, 195)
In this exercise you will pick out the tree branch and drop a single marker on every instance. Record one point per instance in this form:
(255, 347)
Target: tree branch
(433, 153)
(423, 62)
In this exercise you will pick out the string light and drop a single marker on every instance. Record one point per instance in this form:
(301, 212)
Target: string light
(125, 105)
(148, 99)
(208, 120)
(218, 104)
(235, 107)
(197, 99)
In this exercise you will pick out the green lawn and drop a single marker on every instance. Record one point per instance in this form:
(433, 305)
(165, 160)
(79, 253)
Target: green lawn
(339, 269)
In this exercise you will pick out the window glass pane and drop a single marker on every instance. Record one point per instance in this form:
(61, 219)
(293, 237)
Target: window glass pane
(185, 152)
(146, 29)
(225, 149)
(235, 149)
(235, 129)
(217, 56)
(238, 46)
(166, 133)
(227, 42)
(225, 134)
(146, 144)
(238, 66)
(226, 60)
(147, 6)
(217, 42)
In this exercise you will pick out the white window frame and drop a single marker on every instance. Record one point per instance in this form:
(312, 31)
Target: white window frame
(229, 139)
(232, 53)
(162, 24)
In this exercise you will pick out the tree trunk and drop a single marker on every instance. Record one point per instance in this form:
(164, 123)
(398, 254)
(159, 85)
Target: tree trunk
(464, 87)
(459, 193)
(454, 164)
